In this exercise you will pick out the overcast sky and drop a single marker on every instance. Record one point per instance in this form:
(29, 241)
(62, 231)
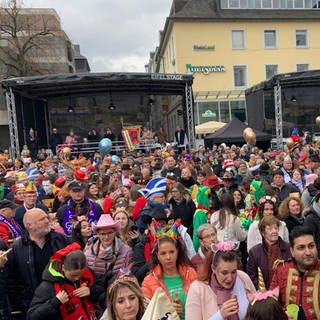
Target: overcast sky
(114, 35)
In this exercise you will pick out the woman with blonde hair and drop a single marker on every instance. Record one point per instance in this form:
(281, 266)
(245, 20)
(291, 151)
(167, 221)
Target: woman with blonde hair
(125, 300)
(290, 211)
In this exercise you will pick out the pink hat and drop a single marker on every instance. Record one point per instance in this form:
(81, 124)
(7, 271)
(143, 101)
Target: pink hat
(310, 178)
(106, 222)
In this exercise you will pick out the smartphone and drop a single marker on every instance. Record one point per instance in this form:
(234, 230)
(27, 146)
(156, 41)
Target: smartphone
(118, 192)
(134, 228)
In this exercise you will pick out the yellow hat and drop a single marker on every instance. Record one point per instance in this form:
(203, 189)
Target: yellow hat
(30, 188)
(21, 176)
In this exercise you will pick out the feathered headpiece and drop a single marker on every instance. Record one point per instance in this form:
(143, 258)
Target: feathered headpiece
(172, 232)
(60, 254)
(154, 186)
(258, 190)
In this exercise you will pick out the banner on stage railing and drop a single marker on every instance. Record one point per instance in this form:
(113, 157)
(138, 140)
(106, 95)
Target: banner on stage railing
(131, 137)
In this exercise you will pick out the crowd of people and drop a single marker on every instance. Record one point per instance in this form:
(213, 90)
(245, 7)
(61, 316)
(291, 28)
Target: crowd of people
(224, 233)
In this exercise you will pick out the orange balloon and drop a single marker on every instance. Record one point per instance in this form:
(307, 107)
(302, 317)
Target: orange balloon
(318, 121)
(249, 136)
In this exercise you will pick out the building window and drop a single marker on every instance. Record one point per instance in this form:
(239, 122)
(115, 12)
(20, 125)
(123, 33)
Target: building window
(271, 70)
(240, 76)
(238, 39)
(270, 39)
(301, 38)
(302, 67)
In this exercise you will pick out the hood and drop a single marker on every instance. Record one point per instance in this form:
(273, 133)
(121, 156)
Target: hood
(51, 275)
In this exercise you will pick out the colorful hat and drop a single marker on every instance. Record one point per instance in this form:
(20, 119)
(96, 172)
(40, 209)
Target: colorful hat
(212, 181)
(154, 187)
(18, 187)
(30, 188)
(21, 176)
(106, 222)
(227, 163)
(258, 190)
(80, 175)
(33, 173)
(60, 181)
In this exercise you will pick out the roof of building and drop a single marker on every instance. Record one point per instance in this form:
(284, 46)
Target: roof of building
(289, 80)
(84, 84)
(211, 10)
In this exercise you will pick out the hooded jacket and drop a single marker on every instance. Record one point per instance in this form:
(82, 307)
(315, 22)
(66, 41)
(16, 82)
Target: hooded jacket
(45, 304)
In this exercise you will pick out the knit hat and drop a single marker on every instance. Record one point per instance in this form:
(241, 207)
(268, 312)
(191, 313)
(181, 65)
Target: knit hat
(227, 163)
(154, 187)
(310, 178)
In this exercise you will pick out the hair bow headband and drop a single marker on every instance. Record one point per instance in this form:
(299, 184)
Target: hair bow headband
(259, 296)
(60, 254)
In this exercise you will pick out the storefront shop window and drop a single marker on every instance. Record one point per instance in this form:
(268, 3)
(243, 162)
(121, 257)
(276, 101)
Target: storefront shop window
(224, 111)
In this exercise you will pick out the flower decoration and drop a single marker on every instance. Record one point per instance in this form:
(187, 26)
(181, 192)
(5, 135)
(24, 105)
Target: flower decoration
(267, 198)
(225, 246)
(259, 296)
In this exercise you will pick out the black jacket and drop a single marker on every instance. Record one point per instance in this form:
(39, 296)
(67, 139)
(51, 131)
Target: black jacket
(3, 280)
(312, 221)
(22, 273)
(45, 304)
(184, 211)
(291, 223)
(140, 267)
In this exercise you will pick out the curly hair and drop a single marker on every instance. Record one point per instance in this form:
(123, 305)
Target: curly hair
(283, 211)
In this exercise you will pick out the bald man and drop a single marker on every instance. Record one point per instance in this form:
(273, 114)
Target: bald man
(30, 255)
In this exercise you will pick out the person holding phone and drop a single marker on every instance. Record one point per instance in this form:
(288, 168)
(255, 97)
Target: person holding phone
(128, 233)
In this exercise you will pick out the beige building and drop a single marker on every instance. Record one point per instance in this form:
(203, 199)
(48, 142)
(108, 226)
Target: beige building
(230, 45)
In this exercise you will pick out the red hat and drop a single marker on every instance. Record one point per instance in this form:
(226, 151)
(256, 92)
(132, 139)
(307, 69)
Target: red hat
(80, 174)
(212, 181)
(272, 154)
(60, 181)
(227, 163)
(302, 158)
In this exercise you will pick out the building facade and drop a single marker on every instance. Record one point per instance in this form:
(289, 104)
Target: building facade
(230, 45)
(50, 50)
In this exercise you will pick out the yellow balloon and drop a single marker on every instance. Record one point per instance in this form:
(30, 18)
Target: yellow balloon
(318, 121)
(290, 143)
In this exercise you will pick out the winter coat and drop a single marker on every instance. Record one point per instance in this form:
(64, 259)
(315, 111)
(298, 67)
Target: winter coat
(258, 257)
(22, 273)
(291, 223)
(312, 221)
(3, 279)
(154, 280)
(184, 211)
(45, 304)
(123, 255)
(254, 236)
(202, 301)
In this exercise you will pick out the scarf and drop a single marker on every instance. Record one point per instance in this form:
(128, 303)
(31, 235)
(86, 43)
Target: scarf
(274, 253)
(72, 211)
(13, 226)
(222, 295)
(157, 205)
(148, 246)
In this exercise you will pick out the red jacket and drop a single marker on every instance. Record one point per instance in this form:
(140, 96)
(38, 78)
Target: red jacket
(295, 289)
(154, 280)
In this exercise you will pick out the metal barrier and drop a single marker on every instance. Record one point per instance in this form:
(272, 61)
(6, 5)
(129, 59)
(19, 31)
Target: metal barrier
(117, 147)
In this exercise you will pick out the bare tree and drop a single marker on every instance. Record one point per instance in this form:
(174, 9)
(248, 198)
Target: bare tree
(24, 39)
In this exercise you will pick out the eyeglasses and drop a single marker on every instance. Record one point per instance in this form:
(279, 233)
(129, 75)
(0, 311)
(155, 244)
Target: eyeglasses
(106, 234)
(210, 235)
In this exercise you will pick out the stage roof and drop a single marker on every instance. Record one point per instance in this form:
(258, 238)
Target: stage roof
(85, 84)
